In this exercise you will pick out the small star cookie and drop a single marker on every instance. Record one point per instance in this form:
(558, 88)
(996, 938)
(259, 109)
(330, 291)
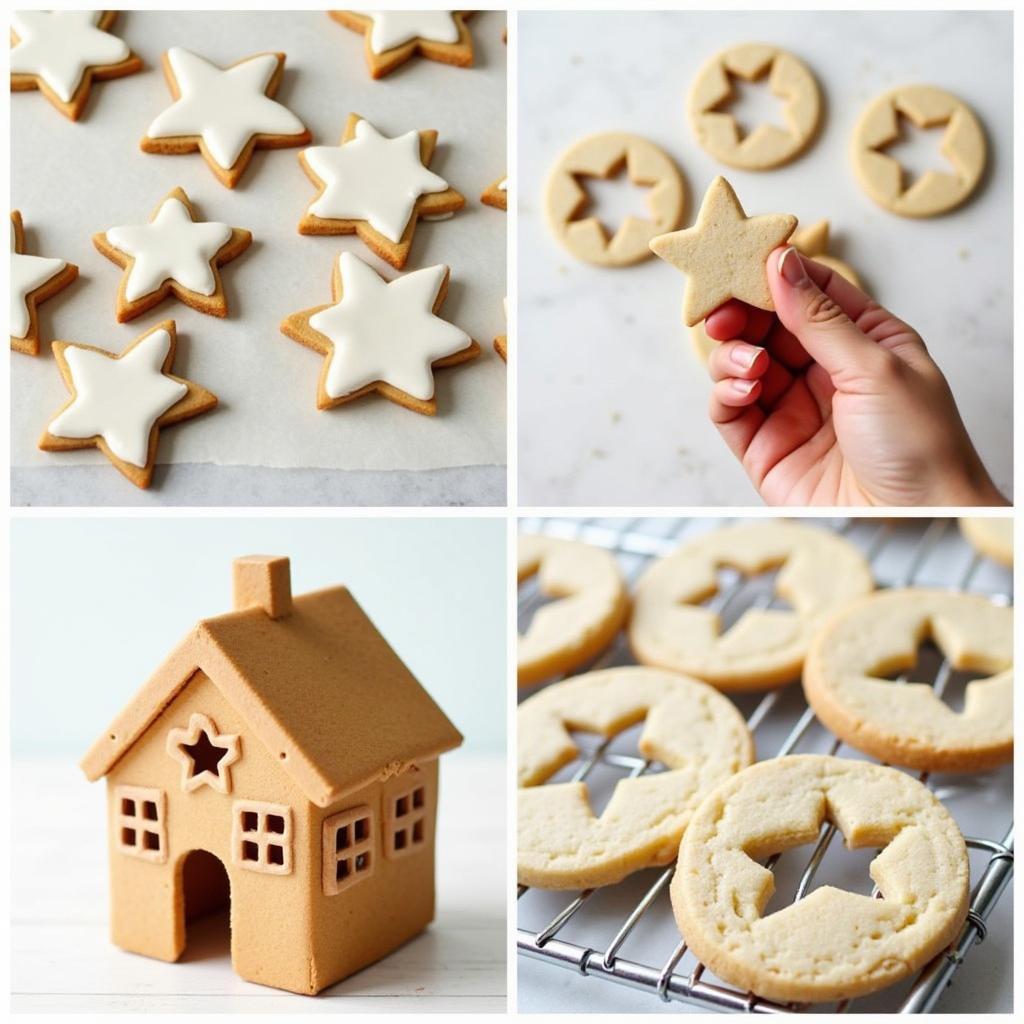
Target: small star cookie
(173, 254)
(393, 37)
(382, 336)
(61, 53)
(119, 403)
(225, 113)
(34, 279)
(496, 194)
(724, 253)
(376, 187)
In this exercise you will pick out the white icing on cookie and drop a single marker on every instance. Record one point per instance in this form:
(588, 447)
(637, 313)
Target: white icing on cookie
(372, 178)
(503, 184)
(393, 28)
(58, 46)
(119, 399)
(386, 331)
(27, 274)
(171, 246)
(226, 107)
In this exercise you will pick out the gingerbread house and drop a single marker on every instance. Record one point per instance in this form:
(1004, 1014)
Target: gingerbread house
(282, 761)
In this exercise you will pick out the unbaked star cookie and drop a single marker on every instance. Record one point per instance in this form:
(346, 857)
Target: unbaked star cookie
(723, 255)
(382, 336)
(376, 187)
(61, 53)
(119, 403)
(225, 113)
(34, 279)
(173, 254)
(393, 37)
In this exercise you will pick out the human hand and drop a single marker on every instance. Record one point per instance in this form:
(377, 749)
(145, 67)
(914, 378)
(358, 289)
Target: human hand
(831, 400)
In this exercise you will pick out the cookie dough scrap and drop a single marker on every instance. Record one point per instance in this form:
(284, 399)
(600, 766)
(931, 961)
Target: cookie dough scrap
(173, 254)
(605, 156)
(767, 145)
(723, 255)
(908, 723)
(992, 537)
(393, 37)
(934, 192)
(819, 572)
(689, 727)
(589, 609)
(832, 944)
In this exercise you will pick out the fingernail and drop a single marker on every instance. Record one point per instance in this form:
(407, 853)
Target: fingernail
(743, 387)
(791, 267)
(745, 356)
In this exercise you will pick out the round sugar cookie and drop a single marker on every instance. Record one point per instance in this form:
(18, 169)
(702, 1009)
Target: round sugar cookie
(688, 726)
(590, 609)
(992, 537)
(818, 573)
(832, 944)
(908, 724)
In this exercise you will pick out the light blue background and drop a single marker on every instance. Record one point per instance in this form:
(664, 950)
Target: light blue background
(98, 603)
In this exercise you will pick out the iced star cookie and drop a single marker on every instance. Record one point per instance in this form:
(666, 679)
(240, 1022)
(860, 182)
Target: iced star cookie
(501, 341)
(224, 113)
(992, 537)
(382, 336)
(393, 37)
(34, 279)
(849, 662)
(724, 254)
(173, 254)
(496, 194)
(832, 944)
(61, 53)
(376, 187)
(689, 727)
(119, 403)
(819, 573)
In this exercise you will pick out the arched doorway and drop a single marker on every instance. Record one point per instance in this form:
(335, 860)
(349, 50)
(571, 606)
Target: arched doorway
(206, 891)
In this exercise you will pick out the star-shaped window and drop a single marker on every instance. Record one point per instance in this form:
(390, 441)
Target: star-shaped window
(205, 754)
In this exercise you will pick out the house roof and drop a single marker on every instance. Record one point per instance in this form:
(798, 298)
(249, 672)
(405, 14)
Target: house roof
(319, 686)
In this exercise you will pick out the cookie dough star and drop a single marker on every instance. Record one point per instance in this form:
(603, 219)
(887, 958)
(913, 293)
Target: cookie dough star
(61, 53)
(225, 113)
(724, 253)
(173, 254)
(205, 754)
(119, 403)
(382, 336)
(34, 279)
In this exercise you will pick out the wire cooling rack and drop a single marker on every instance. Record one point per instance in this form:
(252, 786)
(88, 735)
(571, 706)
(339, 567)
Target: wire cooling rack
(625, 933)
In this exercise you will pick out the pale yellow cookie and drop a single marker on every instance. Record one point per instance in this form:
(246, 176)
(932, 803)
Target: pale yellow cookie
(818, 573)
(992, 537)
(767, 145)
(832, 944)
(723, 255)
(690, 728)
(883, 178)
(604, 156)
(907, 723)
(591, 607)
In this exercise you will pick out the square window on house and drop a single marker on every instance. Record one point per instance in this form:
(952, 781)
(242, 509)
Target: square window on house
(262, 837)
(140, 815)
(347, 848)
(407, 826)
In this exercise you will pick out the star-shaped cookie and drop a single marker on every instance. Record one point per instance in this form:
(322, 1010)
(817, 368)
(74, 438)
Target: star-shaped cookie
(496, 194)
(225, 113)
(61, 53)
(119, 403)
(393, 37)
(382, 336)
(376, 187)
(173, 254)
(205, 754)
(34, 279)
(723, 255)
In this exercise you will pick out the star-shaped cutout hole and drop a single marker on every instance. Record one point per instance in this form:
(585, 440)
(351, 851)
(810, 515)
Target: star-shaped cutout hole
(751, 103)
(205, 754)
(613, 199)
(918, 150)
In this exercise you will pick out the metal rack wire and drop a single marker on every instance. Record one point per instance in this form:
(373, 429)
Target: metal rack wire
(603, 958)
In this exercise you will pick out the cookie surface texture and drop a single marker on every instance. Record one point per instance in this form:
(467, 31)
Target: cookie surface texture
(818, 573)
(992, 537)
(689, 727)
(832, 944)
(934, 192)
(907, 723)
(604, 156)
(723, 255)
(590, 607)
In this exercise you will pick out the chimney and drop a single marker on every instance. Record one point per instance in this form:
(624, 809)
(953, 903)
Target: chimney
(263, 581)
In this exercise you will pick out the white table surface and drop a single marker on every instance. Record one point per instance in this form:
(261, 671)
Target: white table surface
(62, 959)
(612, 401)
